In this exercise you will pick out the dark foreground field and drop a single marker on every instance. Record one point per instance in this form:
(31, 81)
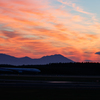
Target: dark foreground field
(41, 87)
(81, 82)
(49, 94)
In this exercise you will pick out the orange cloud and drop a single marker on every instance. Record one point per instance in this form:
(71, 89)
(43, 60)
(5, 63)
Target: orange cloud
(37, 28)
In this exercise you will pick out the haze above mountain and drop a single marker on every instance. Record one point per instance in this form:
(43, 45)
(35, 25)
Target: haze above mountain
(57, 58)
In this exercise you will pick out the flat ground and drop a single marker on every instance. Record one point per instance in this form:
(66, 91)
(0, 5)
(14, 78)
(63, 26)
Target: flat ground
(49, 94)
(52, 78)
(19, 87)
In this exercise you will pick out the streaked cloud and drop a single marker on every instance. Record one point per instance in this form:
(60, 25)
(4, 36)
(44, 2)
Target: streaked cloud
(36, 28)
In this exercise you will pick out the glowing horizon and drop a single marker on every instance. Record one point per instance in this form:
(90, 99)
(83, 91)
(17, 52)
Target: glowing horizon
(36, 28)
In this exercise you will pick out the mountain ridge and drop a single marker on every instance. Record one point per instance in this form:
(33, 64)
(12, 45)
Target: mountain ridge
(57, 58)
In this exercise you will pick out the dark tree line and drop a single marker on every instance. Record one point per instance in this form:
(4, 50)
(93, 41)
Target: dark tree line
(64, 68)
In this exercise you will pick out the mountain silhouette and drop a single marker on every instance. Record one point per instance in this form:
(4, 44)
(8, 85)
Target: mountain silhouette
(57, 58)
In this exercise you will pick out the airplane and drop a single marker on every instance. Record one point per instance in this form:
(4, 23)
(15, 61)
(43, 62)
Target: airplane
(19, 70)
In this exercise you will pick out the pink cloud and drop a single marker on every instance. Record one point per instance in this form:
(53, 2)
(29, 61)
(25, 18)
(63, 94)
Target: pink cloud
(36, 28)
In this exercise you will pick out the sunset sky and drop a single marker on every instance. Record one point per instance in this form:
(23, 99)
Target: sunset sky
(37, 28)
